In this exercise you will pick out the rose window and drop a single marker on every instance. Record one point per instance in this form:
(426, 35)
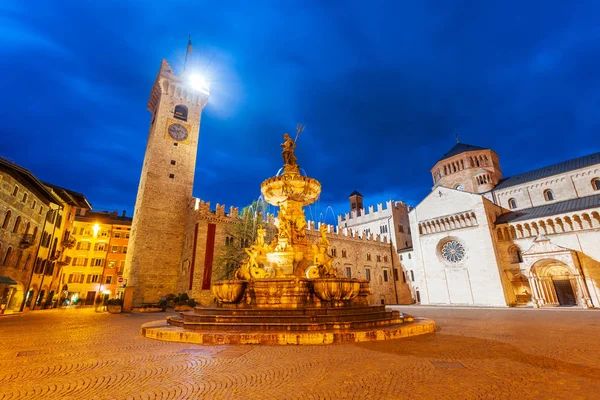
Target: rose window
(453, 251)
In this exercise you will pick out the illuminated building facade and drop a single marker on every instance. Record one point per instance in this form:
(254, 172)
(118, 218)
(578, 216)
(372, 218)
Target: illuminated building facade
(97, 259)
(530, 239)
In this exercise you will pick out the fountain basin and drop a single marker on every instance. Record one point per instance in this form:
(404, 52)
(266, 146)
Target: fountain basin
(230, 291)
(293, 187)
(276, 293)
(336, 289)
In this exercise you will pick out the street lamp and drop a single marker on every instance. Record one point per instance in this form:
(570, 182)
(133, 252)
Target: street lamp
(199, 83)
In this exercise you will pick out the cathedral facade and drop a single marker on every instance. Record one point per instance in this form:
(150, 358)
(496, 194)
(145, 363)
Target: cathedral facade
(484, 240)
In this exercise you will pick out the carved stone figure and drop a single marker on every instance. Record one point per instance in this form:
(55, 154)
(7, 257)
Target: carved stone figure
(288, 150)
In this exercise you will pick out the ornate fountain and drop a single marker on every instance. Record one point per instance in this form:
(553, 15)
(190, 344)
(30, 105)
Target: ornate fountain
(290, 271)
(286, 291)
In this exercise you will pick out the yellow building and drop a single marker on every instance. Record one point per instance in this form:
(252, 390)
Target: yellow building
(97, 260)
(62, 243)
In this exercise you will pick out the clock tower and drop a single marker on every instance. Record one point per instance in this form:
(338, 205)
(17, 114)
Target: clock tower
(165, 188)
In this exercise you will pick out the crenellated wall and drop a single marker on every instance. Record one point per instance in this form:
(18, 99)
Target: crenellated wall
(358, 253)
(389, 219)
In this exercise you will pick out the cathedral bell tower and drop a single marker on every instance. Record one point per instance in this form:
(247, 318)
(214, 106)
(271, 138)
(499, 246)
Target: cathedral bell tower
(165, 188)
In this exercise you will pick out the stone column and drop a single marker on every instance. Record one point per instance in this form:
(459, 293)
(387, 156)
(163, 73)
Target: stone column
(581, 292)
(535, 292)
(550, 292)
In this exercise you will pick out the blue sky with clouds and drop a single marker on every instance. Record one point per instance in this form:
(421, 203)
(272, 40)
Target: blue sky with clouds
(381, 87)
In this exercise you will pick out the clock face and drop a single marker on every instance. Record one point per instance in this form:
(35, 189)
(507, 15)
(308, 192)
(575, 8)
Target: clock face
(178, 132)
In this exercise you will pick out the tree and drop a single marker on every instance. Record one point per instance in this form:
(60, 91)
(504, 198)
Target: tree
(240, 235)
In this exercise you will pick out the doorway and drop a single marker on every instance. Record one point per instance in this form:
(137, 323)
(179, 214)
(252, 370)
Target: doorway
(564, 292)
(89, 299)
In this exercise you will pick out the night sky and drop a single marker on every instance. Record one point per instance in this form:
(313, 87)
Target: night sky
(382, 88)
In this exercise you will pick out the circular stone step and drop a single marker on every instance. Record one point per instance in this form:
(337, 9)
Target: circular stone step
(161, 330)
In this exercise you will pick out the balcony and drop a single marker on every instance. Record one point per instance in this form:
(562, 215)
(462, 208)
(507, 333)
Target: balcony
(27, 240)
(65, 261)
(55, 256)
(69, 243)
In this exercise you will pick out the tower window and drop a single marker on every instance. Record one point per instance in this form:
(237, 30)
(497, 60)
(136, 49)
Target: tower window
(512, 203)
(171, 176)
(16, 190)
(548, 195)
(596, 183)
(181, 112)
(173, 162)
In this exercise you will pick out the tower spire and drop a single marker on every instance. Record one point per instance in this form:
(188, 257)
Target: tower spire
(188, 51)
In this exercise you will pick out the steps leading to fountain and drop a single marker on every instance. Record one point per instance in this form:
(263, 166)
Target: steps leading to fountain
(288, 320)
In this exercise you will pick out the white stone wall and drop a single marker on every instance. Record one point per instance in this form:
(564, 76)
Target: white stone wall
(583, 238)
(473, 281)
(569, 185)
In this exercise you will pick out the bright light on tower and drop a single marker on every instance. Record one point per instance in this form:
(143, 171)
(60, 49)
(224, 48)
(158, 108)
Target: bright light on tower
(199, 83)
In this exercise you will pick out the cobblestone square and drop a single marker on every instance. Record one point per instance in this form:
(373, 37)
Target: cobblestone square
(475, 354)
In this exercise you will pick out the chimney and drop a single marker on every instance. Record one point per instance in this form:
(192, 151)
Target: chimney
(123, 214)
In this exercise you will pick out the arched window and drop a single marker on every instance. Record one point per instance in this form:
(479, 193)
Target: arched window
(343, 253)
(512, 203)
(181, 112)
(7, 256)
(368, 256)
(596, 183)
(19, 256)
(24, 199)
(34, 233)
(226, 240)
(515, 255)
(17, 225)
(27, 261)
(27, 227)
(6, 220)
(548, 195)
(15, 190)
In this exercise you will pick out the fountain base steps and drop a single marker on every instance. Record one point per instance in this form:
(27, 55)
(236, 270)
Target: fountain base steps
(319, 325)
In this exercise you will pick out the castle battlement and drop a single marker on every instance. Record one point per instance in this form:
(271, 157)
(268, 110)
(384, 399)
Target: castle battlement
(203, 209)
(346, 233)
(370, 213)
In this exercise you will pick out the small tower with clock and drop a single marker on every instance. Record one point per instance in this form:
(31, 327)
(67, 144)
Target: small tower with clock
(165, 188)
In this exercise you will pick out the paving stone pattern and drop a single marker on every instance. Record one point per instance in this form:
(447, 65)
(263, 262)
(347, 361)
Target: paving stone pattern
(476, 354)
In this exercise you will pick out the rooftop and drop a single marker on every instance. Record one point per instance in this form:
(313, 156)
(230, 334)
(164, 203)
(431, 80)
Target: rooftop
(70, 197)
(27, 176)
(355, 193)
(540, 173)
(104, 217)
(561, 207)
(461, 148)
